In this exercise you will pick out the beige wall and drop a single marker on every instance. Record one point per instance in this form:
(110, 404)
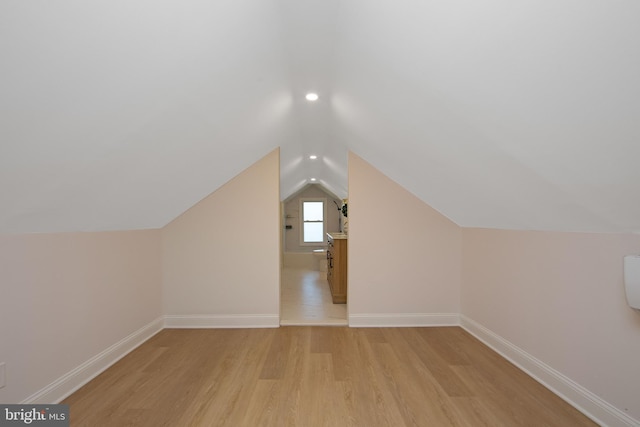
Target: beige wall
(560, 298)
(65, 298)
(404, 257)
(221, 257)
(292, 211)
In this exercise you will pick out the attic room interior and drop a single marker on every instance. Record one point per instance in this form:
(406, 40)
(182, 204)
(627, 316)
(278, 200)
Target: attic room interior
(489, 155)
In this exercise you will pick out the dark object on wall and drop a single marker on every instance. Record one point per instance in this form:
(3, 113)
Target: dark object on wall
(344, 210)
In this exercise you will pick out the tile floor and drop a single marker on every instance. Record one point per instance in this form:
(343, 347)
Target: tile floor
(305, 299)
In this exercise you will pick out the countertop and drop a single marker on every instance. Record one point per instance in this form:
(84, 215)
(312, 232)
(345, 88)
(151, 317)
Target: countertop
(336, 236)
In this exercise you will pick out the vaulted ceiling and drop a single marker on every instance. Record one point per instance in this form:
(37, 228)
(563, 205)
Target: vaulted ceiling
(123, 114)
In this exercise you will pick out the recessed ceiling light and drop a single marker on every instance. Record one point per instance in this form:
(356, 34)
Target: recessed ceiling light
(312, 96)
(313, 180)
(313, 157)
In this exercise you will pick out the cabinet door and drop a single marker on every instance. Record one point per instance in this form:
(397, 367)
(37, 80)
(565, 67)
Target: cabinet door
(339, 274)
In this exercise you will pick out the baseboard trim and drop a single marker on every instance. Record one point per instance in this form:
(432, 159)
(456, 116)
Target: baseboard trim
(391, 320)
(201, 321)
(73, 380)
(573, 393)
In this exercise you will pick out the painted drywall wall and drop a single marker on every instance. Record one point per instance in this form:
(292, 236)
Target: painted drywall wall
(560, 298)
(68, 297)
(222, 256)
(292, 216)
(404, 257)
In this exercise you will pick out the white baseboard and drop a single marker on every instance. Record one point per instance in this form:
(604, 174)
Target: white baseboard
(222, 321)
(73, 380)
(573, 393)
(390, 320)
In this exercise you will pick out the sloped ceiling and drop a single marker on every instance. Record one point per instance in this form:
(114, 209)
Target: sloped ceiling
(122, 114)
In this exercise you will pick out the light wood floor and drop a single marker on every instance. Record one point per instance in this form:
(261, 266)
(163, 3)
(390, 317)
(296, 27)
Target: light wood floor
(305, 299)
(317, 376)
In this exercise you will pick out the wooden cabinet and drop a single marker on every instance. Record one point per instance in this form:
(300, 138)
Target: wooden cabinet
(337, 266)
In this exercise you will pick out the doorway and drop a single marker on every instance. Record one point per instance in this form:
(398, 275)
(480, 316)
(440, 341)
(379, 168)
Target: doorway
(305, 296)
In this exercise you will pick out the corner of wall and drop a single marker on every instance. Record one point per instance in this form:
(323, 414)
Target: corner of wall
(222, 256)
(404, 256)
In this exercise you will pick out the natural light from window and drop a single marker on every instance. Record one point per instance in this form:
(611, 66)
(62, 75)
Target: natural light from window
(313, 222)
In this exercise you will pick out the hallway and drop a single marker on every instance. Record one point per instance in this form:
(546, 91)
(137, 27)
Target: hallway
(305, 299)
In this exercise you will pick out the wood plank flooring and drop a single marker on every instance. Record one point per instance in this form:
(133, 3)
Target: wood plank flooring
(317, 376)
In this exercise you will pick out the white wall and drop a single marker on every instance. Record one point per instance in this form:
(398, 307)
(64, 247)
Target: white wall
(292, 213)
(404, 257)
(221, 257)
(65, 298)
(560, 298)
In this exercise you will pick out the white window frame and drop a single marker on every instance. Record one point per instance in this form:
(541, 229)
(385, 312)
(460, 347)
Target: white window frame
(324, 220)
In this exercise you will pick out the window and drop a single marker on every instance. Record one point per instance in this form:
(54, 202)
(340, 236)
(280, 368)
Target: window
(312, 214)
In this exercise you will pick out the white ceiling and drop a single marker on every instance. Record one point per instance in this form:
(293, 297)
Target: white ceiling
(123, 114)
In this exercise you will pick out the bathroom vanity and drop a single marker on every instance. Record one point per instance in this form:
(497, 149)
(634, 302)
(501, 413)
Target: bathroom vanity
(337, 266)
